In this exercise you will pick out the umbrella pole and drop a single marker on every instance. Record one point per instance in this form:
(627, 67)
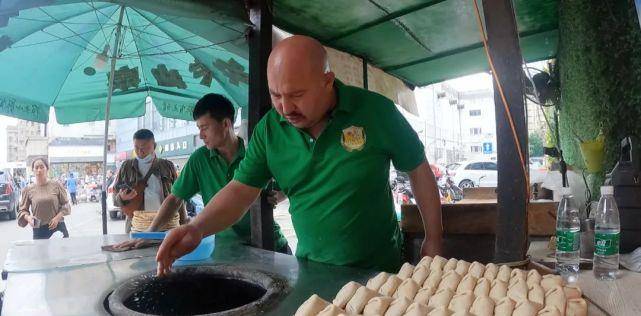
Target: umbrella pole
(103, 200)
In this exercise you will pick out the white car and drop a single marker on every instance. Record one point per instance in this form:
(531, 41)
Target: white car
(473, 173)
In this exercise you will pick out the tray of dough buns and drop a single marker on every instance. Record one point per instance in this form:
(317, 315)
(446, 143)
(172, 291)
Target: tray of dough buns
(441, 287)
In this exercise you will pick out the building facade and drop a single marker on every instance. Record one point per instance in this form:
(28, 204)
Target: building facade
(17, 137)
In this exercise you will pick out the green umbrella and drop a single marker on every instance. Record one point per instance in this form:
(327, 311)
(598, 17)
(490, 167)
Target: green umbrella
(93, 60)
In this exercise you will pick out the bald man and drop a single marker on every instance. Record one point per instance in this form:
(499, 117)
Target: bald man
(329, 147)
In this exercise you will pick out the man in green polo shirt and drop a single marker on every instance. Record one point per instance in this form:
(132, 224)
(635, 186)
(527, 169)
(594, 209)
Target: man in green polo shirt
(329, 147)
(210, 168)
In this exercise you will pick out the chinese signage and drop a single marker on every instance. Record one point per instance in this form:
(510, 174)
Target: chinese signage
(179, 146)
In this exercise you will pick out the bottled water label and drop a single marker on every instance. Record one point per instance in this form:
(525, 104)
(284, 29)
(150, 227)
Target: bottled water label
(567, 240)
(606, 244)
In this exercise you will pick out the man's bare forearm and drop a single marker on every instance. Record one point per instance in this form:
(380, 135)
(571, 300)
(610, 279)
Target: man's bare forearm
(169, 206)
(225, 208)
(429, 203)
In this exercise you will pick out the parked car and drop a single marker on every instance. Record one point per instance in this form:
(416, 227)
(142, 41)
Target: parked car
(9, 196)
(473, 173)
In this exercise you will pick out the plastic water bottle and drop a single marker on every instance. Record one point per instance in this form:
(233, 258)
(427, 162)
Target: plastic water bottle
(606, 236)
(568, 237)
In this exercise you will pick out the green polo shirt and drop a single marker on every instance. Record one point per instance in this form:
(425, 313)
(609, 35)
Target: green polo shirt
(207, 172)
(338, 185)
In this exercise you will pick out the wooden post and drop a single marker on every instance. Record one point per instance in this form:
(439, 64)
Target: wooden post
(511, 232)
(260, 44)
(365, 83)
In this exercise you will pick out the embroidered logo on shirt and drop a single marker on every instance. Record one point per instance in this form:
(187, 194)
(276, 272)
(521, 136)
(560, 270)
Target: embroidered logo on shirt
(353, 138)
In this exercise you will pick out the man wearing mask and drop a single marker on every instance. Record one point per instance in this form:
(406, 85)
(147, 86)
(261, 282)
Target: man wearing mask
(143, 183)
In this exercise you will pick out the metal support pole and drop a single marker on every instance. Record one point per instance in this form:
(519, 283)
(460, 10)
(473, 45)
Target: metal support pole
(260, 44)
(511, 232)
(103, 196)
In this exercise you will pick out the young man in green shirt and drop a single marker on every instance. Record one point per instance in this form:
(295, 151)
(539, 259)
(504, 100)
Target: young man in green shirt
(329, 147)
(210, 168)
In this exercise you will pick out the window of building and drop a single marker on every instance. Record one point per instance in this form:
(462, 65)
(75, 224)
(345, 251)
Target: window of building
(475, 131)
(475, 149)
(475, 112)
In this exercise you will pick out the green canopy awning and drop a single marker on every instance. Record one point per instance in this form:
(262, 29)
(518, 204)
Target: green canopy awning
(57, 54)
(419, 41)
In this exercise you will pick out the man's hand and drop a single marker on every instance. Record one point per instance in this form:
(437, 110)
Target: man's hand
(131, 244)
(127, 196)
(54, 221)
(272, 199)
(179, 242)
(431, 247)
(31, 220)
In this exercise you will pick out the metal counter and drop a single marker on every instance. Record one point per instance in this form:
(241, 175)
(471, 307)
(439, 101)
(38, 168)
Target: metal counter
(73, 276)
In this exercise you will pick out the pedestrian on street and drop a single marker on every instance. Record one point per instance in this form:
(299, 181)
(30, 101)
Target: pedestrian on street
(44, 204)
(72, 187)
(143, 183)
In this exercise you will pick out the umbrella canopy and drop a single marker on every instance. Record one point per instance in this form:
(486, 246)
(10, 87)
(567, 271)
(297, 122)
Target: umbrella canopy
(58, 55)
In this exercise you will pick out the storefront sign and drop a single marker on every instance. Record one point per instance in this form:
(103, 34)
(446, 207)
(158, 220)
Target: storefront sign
(180, 146)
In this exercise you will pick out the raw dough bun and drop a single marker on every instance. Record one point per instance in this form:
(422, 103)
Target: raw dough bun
(476, 269)
(461, 302)
(416, 309)
(441, 311)
(462, 313)
(576, 307)
(331, 310)
(434, 279)
(551, 280)
(491, 270)
(376, 282)
(536, 294)
(467, 284)
(398, 307)
(345, 294)
(450, 280)
(533, 277)
(549, 311)
(525, 308)
(420, 274)
(377, 305)
(442, 297)
(406, 271)
(482, 306)
(390, 286)
(482, 287)
(425, 261)
(504, 307)
(504, 273)
(462, 267)
(556, 297)
(423, 295)
(572, 291)
(498, 290)
(518, 290)
(407, 289)
(450, 265)
(360, 299)
(518, 272)
(312, 306)
(437, 263)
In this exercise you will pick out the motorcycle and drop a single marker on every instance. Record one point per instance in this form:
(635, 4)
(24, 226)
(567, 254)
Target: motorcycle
(450, 192)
